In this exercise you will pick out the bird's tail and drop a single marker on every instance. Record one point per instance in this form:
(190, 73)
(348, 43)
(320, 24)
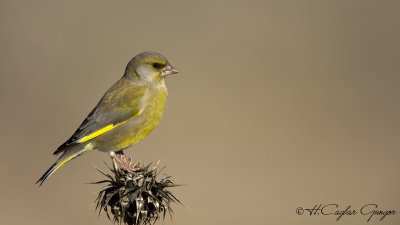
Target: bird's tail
(68, 155)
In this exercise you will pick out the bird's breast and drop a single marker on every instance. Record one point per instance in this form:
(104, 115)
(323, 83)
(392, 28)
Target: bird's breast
(139, 127)
(154, 110)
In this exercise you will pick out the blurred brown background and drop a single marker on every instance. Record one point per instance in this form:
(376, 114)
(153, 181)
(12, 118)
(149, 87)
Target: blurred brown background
(278, 105)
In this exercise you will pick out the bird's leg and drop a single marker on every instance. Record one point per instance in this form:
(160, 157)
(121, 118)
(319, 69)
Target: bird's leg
(125, 159)
(112, 155)
(124, 162)
(128, 162)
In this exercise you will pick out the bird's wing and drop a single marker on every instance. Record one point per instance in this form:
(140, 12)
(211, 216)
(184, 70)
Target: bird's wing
(122, 101)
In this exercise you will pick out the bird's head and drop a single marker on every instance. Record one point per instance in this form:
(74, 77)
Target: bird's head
(149, 67)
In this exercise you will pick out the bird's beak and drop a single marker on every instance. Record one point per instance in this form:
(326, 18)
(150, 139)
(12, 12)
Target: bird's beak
(168, 70)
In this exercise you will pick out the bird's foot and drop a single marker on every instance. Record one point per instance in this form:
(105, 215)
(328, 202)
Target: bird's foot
(124, 162)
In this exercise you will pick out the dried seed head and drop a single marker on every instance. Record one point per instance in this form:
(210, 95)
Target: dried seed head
(135, 198)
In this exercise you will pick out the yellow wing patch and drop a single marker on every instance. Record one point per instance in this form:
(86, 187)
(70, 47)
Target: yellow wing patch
(104, 130)
(99, 132)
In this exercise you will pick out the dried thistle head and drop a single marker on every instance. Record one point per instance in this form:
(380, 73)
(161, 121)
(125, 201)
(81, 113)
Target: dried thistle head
(134, 195)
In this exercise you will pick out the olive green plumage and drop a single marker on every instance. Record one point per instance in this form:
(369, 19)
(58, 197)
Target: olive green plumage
(126, 113)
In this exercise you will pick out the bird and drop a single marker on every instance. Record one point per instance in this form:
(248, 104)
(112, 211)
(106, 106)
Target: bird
(127, 112)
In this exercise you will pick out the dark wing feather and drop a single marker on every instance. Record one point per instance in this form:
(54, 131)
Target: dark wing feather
(121, 102)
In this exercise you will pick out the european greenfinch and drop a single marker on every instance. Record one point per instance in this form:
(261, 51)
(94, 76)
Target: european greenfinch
(126, 113)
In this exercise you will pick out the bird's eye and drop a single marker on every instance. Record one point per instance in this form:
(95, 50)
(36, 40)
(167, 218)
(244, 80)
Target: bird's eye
(156, 65)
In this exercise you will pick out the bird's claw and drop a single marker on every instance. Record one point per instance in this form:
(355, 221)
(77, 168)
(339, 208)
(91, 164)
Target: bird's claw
(124, 162)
